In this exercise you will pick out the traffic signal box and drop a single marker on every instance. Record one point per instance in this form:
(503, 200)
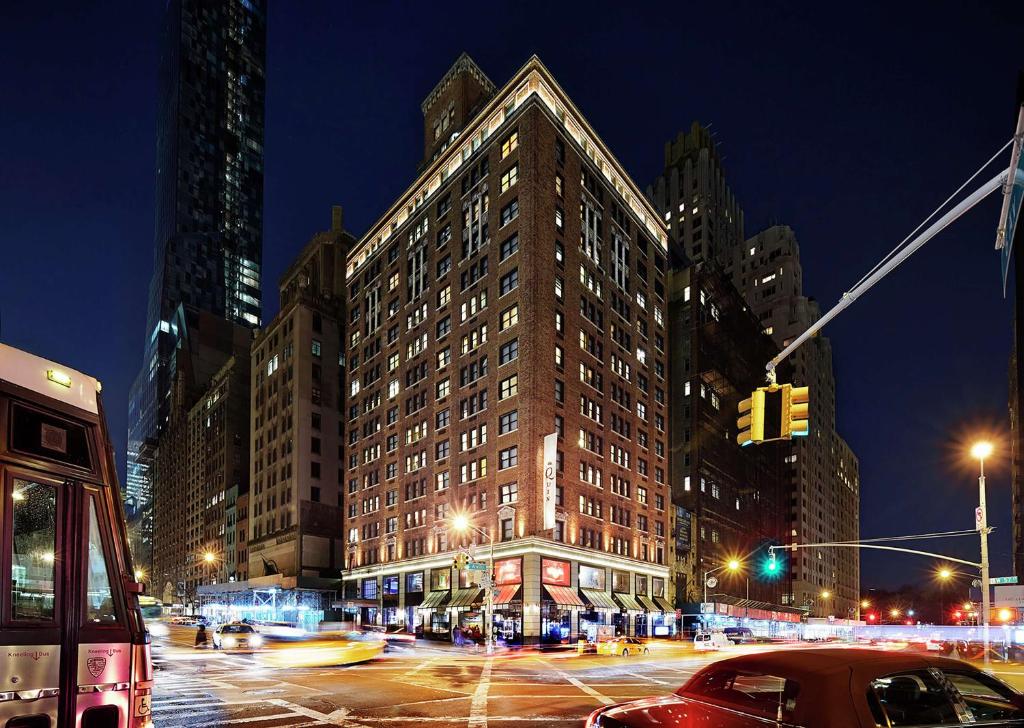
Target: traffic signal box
(460, 561)
(775, 412)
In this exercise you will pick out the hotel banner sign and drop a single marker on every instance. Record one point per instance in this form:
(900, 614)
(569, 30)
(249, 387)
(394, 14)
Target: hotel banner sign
(550, 469)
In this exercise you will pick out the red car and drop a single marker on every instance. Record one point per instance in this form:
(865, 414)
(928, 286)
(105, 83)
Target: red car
(826, 688)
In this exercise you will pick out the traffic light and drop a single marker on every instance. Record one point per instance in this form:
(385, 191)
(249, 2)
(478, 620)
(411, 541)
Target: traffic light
(775, 412)
(751, 419)
(872, 617)
(461, 559)
(771, 567)
(795, 411)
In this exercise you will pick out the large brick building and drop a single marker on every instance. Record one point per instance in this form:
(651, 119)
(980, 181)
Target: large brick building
(515, 290)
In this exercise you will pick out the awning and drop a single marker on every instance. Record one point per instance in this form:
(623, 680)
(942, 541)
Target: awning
(648, 603)
(564, 596)
(665, 604)
(506, 595)
(628, 602)
(465, 597)
(599, 598)
(434, 599)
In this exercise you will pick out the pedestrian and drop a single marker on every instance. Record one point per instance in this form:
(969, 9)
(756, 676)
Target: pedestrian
(201, 636)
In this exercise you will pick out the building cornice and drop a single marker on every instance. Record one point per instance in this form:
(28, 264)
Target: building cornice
(532, 81)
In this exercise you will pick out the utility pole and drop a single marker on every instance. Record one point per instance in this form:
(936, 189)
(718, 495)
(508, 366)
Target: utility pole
(982, 450)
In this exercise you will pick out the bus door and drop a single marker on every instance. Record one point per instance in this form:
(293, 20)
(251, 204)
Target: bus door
(65, 632)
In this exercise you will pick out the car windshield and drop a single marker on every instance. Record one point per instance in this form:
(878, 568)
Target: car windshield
(912, 698)
(236, 629)
(986, 698)
(760, 694)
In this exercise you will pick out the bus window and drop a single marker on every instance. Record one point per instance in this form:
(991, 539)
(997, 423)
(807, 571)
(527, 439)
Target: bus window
(99, 601)
(34, 507)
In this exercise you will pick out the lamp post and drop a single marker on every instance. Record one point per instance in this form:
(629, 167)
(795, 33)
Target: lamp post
(461, 524)
(732, 565)
(980, 451)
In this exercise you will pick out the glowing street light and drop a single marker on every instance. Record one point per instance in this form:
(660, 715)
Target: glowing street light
(864, 604)
(460, 523)
(209, 558)
(733, 565)
(894, 613)
(945, 574)
(979, 451)
(826, 594)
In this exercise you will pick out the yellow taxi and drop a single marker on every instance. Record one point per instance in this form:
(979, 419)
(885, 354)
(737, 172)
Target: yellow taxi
(324, 650)
(623, 646)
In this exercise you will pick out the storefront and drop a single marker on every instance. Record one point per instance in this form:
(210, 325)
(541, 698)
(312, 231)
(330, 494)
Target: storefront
(558, 601)
(508, 601)
(412, 599)
(434, 614)
(599, 603)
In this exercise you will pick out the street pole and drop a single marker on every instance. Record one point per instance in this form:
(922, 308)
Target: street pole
(984, 558)
(490, 598)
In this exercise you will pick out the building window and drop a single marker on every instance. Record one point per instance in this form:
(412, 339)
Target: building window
(509, 351)
(509, 387)
(559, 390)
(509, 317)
(508, 458)
(316, 348)
(509, 281)
(510, 246)
(508, 493)
(314, 470)
(508, 422)
(510, 144)
(506, 529)
(509, 178)
(509, 212)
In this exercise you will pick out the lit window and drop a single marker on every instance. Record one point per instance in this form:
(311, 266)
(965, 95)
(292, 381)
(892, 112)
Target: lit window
(509, 145)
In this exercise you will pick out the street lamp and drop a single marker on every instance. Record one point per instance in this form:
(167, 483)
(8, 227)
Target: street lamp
(864, 604)
(979, 451)
(461, 524)
(732, 565)
(944, 574)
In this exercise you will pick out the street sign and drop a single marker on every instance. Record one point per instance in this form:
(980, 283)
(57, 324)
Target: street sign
(476, 566)
(1003, 580)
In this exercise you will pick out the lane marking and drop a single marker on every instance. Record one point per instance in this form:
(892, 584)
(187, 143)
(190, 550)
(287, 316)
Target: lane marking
(478, 708)
(233, 721)
(338, 717)
(603, 699)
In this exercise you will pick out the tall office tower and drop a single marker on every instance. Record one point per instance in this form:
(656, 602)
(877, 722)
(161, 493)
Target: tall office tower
(201, 454)
(824, 472)
(507, 363)
(294, 537)
(737, 496)
(705, 223)
(209, 207)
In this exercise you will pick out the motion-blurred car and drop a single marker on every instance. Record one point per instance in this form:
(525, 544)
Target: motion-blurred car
(324, 650)
(623, 646)
(236, 636)
(393, 635)
(739, 635)
(826, 688)
(710, 641)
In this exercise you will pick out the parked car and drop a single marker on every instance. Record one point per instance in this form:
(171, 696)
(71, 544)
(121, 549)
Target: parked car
(623, 646)
(236, 636)
(739, 635)
(710, 641)
(826, 688)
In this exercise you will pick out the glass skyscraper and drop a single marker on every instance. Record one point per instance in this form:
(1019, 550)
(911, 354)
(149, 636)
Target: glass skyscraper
(208, 236)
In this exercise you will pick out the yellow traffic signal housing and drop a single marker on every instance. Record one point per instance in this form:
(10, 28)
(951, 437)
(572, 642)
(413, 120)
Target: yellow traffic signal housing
(751, 419)
(774, 412)
(461, 560)
(796, 411)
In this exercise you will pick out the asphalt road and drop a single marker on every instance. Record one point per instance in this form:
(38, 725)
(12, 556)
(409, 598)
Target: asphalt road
(415, 686)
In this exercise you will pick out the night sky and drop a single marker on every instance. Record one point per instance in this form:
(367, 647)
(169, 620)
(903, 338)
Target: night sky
(848, 127)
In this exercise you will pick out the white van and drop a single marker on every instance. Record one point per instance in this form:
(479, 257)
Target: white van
(710, 641)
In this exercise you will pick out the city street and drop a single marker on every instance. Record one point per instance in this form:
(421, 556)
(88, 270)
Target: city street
(421, 685)
(406, 686)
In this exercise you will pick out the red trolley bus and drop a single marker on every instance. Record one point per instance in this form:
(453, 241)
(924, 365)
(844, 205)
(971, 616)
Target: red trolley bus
(75, 652)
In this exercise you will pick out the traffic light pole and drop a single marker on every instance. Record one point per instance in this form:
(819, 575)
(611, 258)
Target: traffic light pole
(883, 270)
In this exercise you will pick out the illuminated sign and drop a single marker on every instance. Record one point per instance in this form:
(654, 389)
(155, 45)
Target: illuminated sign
(60, 378)
(592, 578)
(508, 571)
(555, 573)
(550, 468)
